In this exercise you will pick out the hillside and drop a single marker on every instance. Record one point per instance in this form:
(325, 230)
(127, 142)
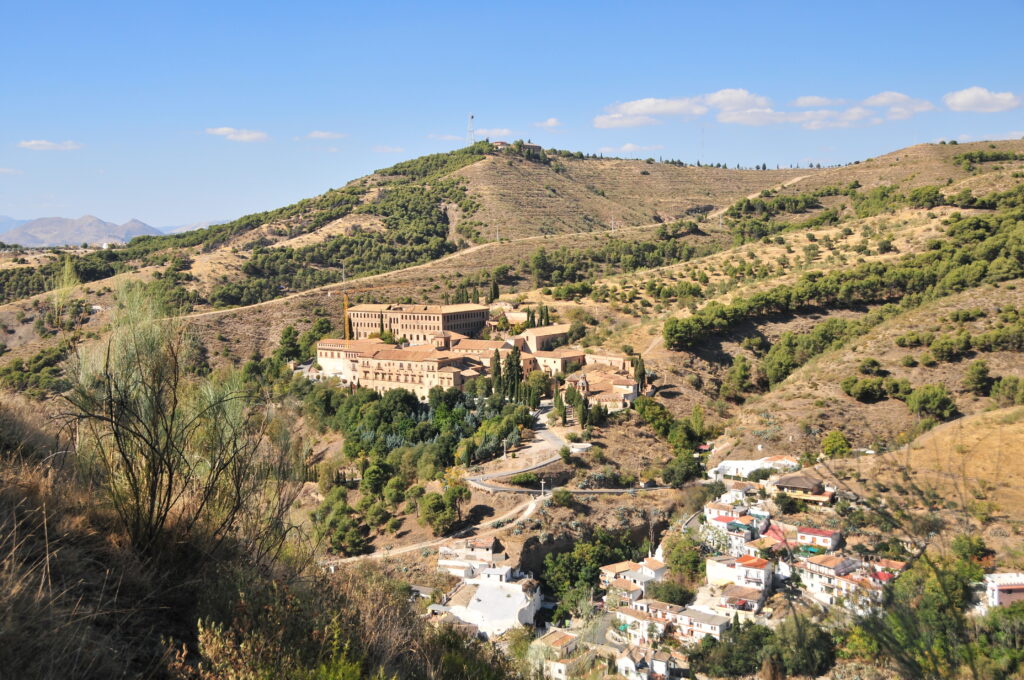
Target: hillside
(969, 463)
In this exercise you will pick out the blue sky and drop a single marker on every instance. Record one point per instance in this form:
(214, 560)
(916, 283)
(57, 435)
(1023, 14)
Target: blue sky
(183, 111)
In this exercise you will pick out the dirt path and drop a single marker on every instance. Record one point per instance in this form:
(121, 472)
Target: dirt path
(524, 510)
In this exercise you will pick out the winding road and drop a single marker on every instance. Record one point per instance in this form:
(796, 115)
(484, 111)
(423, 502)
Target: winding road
(544, 435)
(546, 439)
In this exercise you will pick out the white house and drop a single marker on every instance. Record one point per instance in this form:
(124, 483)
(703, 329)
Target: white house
(696, 624)
(826, 539)
(643, 663)
(748, 571)
(743, 468)
(1003, 589)
(820, 573)
(495, 606)
(641, 627)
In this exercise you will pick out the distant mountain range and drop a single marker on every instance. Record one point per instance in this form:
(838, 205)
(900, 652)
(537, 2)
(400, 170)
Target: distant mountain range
(62, 231)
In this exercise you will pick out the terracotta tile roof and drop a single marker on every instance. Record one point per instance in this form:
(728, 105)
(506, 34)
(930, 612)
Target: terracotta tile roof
(557, 639)
(554, 329)
(811, 531)
(470, 344)
(752, 562)
(623, 584)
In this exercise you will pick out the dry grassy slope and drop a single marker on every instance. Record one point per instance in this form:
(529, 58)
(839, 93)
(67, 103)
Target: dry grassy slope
(524, 198)
(914, 166)
(792, 417)
(965, 462)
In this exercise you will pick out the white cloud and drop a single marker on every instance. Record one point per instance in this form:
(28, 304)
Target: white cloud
(492, 132)
(818, 119)
(735, 99)
(629, 148)
(550, 123)
(651, 106)
(813, 101)
(46, 145)
(9, 171)
(898, 105)
(741, 107)
(324, 134)
(447, 138)
(980, 100)
(237, 135)
(388, 149)
(621, 120)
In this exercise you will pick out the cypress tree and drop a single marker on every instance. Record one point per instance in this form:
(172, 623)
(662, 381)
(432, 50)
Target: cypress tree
(496, 385)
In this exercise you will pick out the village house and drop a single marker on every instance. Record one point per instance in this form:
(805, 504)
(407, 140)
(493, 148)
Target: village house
(826, 539)
(742, 601)
(695, 624)
(637, 573)
(716, 509)
(748, 571)
(559, 650)
(1004, 589)
(743, 468)
(664, 611)
(643, 663)
(802, 487)
(640, 627)
(819, 573)
(495, 601)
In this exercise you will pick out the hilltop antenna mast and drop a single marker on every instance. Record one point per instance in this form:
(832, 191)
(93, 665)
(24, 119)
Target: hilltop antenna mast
(470, 134)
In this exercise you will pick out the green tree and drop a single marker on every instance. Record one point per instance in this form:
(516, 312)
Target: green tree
(803, 647)
(835, 445)
(288, 348)
(977, 378)
(497, 386)
(685, 558)
(669, 591)
(375, 476)
(932, 400)
(640, 373)
(737, 380)
(561, 498)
